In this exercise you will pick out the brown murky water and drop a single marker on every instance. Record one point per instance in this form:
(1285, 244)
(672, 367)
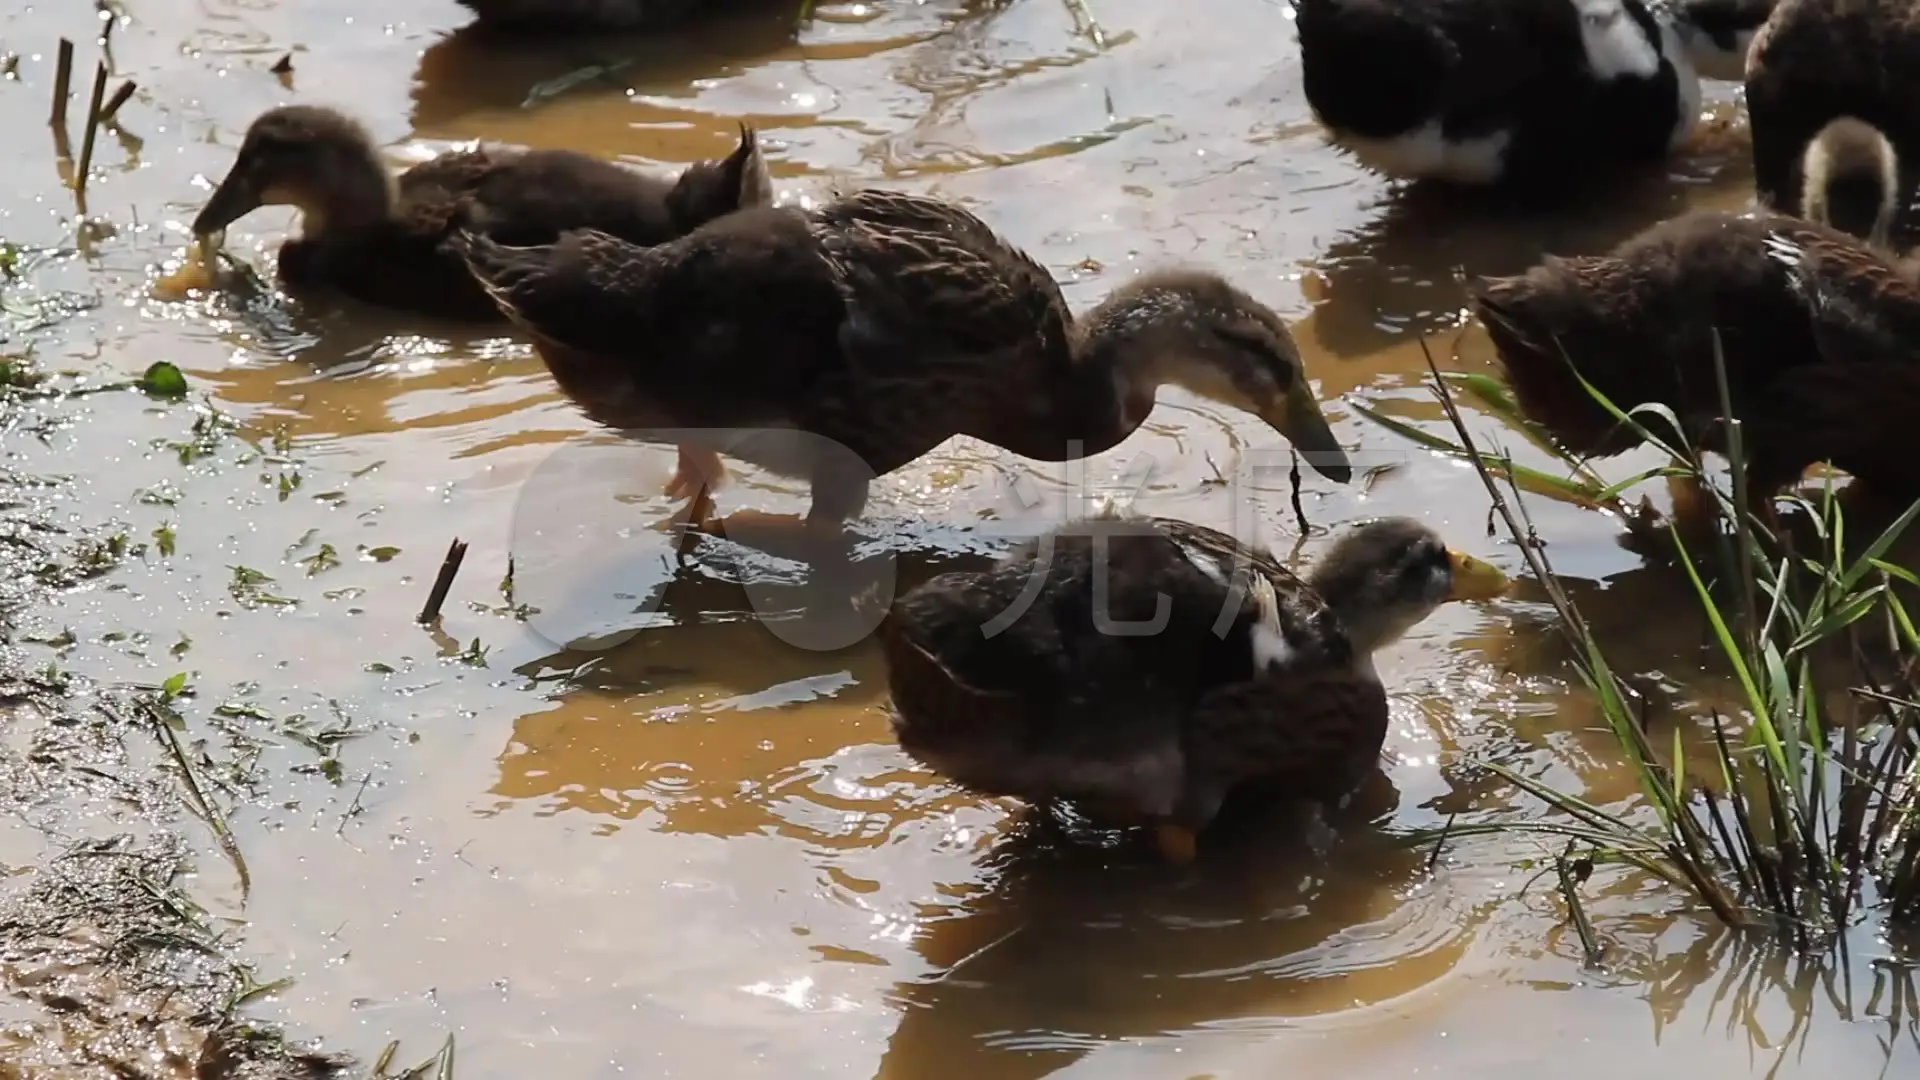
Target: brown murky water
(693, 851)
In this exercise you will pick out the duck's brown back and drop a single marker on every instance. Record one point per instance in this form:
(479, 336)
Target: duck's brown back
(734, 325)
(1024, 680)
(513, 196)
(950, 330)
(1640, 324)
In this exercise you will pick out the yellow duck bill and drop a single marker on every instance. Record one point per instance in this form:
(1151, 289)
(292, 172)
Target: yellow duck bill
(1475, 579)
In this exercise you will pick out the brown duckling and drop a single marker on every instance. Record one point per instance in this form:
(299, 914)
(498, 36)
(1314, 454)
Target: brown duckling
(1197, 665)
(383, 239)
(887, 323)
(1817, 329)
(1851, 180)
(1816, 62)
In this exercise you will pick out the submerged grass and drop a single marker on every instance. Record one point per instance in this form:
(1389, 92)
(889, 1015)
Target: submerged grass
(1807, 819)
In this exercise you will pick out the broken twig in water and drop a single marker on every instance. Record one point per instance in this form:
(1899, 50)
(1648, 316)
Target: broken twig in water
(456, 553)
(118, 99)
(62, 85)
(94, 105)
(1293, 478)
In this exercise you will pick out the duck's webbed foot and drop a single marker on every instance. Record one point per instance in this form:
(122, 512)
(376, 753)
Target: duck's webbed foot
(698, 472)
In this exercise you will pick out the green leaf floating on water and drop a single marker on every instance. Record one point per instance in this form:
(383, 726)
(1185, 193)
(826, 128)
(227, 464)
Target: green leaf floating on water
(164, 380)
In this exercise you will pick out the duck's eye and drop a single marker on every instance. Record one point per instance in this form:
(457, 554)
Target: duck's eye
(1424, 561)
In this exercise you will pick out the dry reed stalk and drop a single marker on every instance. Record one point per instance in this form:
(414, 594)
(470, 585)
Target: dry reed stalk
(93, 126)
(62, 85)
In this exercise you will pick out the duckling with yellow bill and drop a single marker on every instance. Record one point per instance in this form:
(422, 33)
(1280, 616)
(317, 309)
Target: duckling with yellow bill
(1146, 668)
(882, 324)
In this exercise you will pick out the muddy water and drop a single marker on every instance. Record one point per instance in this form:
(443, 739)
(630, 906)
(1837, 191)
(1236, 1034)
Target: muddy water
(689, 848)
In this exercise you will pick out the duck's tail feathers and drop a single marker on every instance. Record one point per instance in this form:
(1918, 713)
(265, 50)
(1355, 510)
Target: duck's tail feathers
(746, 168)
(1851, 176)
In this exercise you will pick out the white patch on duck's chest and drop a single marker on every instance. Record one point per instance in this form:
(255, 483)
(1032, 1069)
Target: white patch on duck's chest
(1426, 153)
(1615, 44)
(1618, 47)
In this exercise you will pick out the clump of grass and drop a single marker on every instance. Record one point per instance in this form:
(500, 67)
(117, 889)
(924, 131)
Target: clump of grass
(1812, 818)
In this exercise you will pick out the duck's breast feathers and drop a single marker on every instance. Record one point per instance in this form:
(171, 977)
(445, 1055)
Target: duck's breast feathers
(923, 276)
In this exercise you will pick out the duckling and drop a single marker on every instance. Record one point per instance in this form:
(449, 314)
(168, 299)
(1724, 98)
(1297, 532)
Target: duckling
(882, 323)
(383, 241)
(1482, 92)
(1143, 668)
(1832, 83)
(1816, 328)
(1851, 180)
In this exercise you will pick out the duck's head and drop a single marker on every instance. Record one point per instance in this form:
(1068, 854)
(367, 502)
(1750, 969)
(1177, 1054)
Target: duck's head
(314, 159)
(1850, 179)
(1195, 330)
(1717, 33)
(713, 189)
(1384, 576)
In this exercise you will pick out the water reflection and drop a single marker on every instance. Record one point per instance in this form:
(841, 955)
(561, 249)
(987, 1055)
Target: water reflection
(472, 72)
(1072, 939)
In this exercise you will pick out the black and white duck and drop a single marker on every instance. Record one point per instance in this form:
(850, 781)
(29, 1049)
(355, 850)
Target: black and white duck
(1831, 93)
(1482, 92)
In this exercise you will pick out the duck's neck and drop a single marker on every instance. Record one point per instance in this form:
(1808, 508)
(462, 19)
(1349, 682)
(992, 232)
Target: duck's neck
(1369, 627)
(359, 195)
(1124, 349)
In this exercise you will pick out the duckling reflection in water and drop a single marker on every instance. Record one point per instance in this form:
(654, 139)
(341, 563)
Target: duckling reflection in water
(383, 240)
(878, 326)
(1156, 666)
